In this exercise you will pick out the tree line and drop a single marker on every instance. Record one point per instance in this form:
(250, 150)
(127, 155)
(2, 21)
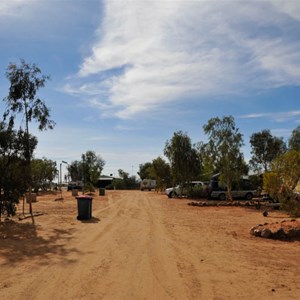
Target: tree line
(274, 164)
(272, 159)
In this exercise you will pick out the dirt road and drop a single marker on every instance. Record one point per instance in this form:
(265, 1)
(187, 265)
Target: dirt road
(141, 245)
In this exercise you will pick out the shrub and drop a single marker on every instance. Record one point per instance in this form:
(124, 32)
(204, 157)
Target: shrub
(197, 192)
(290, 202)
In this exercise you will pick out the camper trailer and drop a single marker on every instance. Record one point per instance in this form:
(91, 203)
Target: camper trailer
(147, 184)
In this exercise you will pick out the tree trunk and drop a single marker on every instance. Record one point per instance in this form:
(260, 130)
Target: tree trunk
(28, 158)
(229, 195)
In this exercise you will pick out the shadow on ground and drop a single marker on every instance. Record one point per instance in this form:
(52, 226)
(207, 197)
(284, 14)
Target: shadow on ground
(20, 241)
(91, 220)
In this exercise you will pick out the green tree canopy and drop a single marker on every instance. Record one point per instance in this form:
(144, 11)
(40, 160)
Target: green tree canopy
(281, 181)
(44, 172)
(88, 169)
(225, 142)
(25, 81)
(13, 167)
(125, 181)
(75, 170)
(161, 172)
(207, 161)
(183, 157)
(264, 149)
(294, 141)
(145, 170)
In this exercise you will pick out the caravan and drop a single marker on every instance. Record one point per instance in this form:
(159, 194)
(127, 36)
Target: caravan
(147, 184)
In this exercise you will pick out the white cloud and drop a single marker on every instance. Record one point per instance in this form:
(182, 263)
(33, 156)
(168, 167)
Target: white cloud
(282, 132)
(11, 7)
(277, 117)
(150, 53)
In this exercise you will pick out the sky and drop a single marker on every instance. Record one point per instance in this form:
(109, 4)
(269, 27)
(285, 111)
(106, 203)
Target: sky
(125, 75)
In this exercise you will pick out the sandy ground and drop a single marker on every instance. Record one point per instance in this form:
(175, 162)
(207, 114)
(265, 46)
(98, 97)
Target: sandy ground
(142, 245)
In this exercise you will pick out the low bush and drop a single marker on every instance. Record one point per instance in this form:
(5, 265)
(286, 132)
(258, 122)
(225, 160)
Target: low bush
(197, 192)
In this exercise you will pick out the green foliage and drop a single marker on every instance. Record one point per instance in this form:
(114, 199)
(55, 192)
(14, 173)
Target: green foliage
(197, 192)
(161, 172)
(145, 171)
(75, 170)
(207, 161)
(224, 144)
(125, 181)
(288, 167)
(92, 166)
(271, 184)
(44, 172)
(294, 141)
(88, 169)
(183, 157)
(280, 183)
(13, 167)
(89, 188)
(290, 202)
(25, 81)
(256, 182)
(265, 148)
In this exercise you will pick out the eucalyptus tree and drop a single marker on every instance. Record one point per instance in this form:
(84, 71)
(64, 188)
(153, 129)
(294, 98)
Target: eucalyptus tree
(207, 161)
(75, 170)
(183, 157)
(92, 166)
(44, 172)
(88, 169)
(25, 81)
(224, 143)
(282, 180)
(264, 149)
(145, 170)
(161, 172)
(294, 140)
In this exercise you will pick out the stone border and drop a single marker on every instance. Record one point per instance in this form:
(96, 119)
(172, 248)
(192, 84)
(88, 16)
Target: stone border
(262, 230)
(242, 203)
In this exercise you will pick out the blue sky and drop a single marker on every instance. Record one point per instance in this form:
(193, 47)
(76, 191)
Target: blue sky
(125, 75)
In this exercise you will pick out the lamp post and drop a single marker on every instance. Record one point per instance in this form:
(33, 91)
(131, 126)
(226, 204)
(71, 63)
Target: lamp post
(62, 162)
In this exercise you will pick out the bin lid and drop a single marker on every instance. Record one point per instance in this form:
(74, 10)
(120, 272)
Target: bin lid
(84, 197)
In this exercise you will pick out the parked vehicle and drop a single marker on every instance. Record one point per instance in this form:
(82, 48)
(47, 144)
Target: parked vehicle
(240, 190)
(147, 184)
(180, 191)
(75, 185)
(238, 194)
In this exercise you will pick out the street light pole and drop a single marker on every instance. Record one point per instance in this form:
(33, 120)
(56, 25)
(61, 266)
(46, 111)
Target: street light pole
(62, 162)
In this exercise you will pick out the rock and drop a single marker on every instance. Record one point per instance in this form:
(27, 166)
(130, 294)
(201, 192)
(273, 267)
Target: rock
(293, 233)
(279, 234)
(257, 232)
(252, 230)
(266, 233)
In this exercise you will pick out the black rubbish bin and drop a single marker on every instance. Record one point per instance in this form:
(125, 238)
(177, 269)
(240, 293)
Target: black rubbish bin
(84, 205)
